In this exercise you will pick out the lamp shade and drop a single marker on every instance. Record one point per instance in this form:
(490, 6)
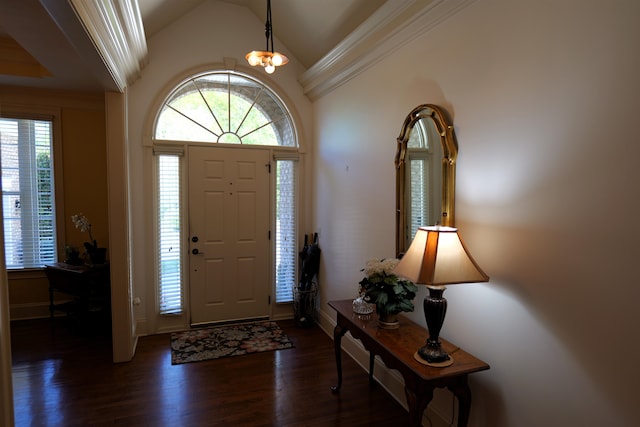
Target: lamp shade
(437, 257)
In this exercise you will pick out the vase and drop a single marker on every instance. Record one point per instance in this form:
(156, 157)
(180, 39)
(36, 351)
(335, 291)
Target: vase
(98, 256)
(388, 321)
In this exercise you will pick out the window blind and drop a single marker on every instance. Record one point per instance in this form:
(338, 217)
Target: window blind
(169, 235)
(28, 192)
(419, 200)
(286, 254)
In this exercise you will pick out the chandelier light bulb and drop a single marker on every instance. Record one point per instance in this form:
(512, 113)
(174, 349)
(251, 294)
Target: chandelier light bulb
(253, 59)
(277, 60)
(270, 69)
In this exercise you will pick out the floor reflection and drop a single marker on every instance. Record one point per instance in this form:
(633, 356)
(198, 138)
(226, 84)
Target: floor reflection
(174, 389)
(29, 381)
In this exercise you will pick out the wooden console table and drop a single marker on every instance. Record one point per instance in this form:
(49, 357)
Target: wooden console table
(396, 348)
(89, 287)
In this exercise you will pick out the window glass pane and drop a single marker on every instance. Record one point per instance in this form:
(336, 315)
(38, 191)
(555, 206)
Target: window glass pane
(225, 107)
(420, 134)
(176, 127)
(286, 236)
(419, 196)
(28, 192)
(169, 235)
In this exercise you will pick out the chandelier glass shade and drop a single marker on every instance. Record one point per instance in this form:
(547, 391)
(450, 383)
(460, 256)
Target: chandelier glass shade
(268, 58)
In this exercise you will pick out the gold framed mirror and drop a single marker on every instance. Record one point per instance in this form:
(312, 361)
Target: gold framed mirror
(425, 173)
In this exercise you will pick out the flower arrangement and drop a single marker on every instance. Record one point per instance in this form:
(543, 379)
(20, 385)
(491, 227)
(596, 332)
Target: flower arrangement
(388, 292)
(82, 222)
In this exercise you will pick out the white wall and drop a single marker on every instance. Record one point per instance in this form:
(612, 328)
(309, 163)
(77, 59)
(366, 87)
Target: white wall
(200, 40)
(544, 97)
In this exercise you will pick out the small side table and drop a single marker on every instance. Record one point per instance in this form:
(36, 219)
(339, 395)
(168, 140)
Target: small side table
(396, 348)
(89, 287)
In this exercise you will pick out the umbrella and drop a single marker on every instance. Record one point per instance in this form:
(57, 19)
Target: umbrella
(305, 295)
(309, 262)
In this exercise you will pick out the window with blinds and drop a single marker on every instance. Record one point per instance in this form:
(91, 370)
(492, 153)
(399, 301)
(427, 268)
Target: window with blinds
(169, 235)
(419, 191)
(419, 158)
(286, 255)
(26, 148)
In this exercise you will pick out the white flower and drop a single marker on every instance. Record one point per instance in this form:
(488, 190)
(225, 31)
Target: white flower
(81, 222)
(375, 267)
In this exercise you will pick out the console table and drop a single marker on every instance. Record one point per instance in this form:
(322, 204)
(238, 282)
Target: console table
(89, 287)
(396, 348)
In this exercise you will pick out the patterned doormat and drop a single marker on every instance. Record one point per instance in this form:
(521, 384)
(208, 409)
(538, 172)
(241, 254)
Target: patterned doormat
(224, 341)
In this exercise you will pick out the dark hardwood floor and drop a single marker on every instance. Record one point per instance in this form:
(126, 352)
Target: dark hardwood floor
(63, 376)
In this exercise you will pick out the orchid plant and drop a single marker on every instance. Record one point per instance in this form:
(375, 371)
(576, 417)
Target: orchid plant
(82, 222)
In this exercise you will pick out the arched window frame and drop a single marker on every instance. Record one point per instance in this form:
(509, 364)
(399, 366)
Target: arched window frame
(211, 87)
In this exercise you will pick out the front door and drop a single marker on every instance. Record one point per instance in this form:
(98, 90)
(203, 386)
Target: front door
(229, 234)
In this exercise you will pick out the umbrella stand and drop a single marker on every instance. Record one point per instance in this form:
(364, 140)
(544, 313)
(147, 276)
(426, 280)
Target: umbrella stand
(306, 291)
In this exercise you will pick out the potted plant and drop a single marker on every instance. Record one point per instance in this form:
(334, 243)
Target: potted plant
(390, 294)
(97, 256)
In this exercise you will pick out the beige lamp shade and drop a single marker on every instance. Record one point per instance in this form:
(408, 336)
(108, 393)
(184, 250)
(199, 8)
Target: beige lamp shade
(437, 257)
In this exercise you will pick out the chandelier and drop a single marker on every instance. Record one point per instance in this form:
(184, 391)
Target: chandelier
(267, 58)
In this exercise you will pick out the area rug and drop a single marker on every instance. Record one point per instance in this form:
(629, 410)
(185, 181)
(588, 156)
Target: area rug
(224, 341)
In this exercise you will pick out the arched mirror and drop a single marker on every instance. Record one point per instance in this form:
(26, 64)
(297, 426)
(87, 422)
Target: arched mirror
(425, 173)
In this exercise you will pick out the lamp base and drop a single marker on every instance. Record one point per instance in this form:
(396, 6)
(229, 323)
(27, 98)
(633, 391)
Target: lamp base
(444, 364)
(432, 352)
(435, 307)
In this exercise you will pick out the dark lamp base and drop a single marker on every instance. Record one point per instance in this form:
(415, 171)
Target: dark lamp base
(433, 353)
(435, 307)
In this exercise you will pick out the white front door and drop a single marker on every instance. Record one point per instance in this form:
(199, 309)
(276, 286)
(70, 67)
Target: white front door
(228, 234)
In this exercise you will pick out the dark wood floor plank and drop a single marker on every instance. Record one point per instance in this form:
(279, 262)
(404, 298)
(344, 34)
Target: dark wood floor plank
(64, 377)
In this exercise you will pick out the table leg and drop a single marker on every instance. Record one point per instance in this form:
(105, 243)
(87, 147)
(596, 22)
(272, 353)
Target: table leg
(461, 390)
(338, 333)
(417, 404)
(372, 359)
(51, 302)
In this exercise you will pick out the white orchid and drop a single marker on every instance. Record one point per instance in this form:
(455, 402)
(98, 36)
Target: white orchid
(82, 222)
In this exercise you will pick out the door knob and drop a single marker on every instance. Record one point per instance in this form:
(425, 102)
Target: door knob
(196, 251)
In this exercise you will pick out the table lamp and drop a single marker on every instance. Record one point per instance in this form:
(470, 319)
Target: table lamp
(437, 257)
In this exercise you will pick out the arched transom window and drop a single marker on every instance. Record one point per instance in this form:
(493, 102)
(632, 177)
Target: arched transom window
(225, 107)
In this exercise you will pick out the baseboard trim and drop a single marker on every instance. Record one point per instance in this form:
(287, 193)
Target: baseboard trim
(390, 379)
(281, 316)
(36, 310)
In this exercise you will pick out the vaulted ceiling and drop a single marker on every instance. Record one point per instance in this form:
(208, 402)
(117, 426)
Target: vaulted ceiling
(35, 52)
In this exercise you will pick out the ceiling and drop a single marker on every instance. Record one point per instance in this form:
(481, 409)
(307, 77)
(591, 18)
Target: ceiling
(35, 52)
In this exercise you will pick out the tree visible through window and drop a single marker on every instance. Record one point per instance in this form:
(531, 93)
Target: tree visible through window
(27, 192)
(228, 108)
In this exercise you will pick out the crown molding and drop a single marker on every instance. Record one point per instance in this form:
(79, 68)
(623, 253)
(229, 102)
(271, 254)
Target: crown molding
(393, 25)
(116, 29)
